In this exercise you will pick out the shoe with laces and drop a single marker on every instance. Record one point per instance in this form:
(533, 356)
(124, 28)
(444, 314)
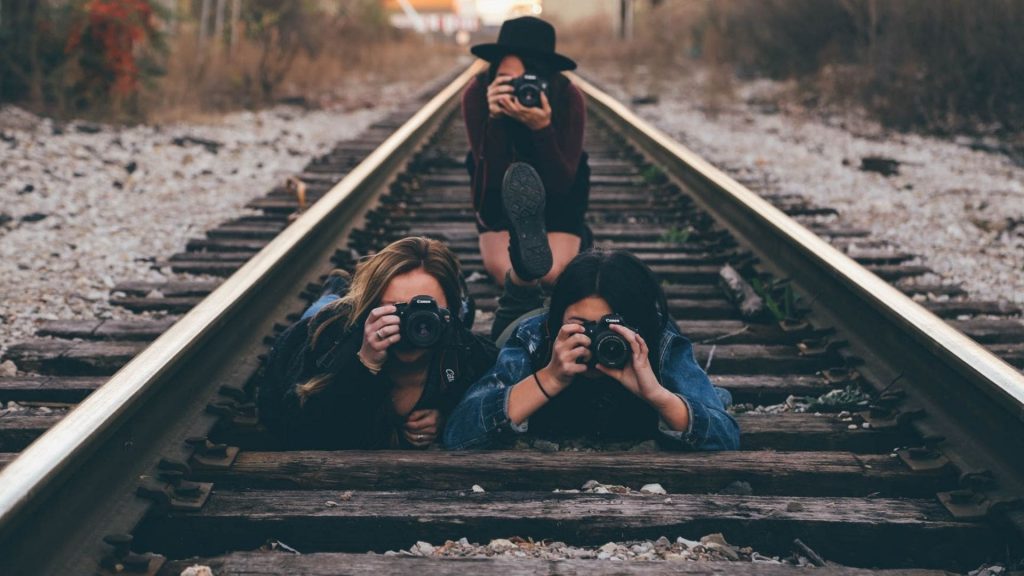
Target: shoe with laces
(523, 197)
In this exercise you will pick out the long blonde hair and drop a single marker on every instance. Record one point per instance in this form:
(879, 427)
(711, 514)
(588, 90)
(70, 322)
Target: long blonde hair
(372, 277)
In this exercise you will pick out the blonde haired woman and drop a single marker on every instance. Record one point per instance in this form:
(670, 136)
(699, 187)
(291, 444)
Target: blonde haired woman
(378, 361)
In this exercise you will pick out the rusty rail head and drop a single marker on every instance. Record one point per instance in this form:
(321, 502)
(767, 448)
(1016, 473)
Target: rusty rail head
(43, 471)
(975, 397)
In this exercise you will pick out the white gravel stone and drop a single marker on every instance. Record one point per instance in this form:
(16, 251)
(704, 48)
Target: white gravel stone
(653, 489)
(8, 369)
(478, 489)
(114, 201)
(959, 208)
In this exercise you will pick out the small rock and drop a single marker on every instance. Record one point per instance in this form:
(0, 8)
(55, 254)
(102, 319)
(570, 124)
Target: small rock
(653, 489)
(794, 507)
(715, 538)
(590, 485)
(197, 570)
(687, 543)
(345, 496)
(478, 489)
(726, 551)
(546, 446)
(422, 549)
(34, 217)
(609, 548)
(330, 504)
(502, 545)
(8, 369)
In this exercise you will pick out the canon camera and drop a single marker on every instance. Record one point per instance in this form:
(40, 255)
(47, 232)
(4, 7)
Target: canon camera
(608, 347)
(423, 322)
(528, 88)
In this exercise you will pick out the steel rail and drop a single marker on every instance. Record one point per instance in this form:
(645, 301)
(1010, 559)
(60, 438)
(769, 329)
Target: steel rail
(120, 423)
(972, 398)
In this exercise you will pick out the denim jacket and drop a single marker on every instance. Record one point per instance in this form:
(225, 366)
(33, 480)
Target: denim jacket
(481, 419)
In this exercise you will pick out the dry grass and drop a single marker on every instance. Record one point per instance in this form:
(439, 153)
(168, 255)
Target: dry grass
(202, 82)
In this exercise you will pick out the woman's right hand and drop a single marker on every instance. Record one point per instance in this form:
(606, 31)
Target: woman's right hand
(570, 355)
(381, 332)
(499, 90)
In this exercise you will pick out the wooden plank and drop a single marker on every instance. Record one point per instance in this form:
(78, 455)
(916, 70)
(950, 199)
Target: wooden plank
(141, 329)
(856, 531)
(73, 358)
(168, 289)
(992, 330)
(332, 564)
(767, 472)
(18, 430)
(954, 308)
(892, 272)
(48, 388)
(174, 304)
(763, 389)
(756, 359)
(786, 431)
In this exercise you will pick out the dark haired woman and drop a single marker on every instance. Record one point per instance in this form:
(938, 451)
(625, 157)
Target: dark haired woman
(342, 377)
(529, 173)
(545, 377)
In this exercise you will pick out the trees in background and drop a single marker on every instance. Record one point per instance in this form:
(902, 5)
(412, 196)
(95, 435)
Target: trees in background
(77, 55)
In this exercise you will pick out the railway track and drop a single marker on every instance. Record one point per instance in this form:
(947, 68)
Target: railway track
(168, 461)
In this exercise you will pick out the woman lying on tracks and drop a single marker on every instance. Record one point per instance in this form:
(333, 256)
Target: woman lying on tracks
(606, 362)
(525, 122)
(378, 361)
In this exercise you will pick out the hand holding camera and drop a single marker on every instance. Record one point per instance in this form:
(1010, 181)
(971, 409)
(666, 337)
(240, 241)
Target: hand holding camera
(570, 348)
(419, 323)
(622, 354)
(523, 99)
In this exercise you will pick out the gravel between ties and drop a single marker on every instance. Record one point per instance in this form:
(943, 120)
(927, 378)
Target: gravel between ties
(86, 206)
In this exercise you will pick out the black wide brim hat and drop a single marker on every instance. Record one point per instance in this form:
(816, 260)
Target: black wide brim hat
(525, 36)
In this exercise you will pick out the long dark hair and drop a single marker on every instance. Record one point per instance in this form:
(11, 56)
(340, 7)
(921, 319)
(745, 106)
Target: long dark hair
(630, 287)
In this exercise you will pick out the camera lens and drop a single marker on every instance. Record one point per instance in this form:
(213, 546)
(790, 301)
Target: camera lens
(422, 329)
(612, 351)
(528, 96)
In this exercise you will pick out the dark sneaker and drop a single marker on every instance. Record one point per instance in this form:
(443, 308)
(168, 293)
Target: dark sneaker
(522, 194)
(337, 283)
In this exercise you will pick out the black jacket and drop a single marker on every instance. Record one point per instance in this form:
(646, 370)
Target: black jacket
(353, 410)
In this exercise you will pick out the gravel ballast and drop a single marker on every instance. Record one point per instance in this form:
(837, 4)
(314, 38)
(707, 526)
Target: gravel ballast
(960, 209)
(86, 206)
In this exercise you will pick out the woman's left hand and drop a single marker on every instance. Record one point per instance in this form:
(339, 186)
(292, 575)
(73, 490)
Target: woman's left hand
(534, 118)
(421, 427)
(637, 376)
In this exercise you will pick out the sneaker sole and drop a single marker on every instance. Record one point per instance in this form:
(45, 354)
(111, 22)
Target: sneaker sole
(522, 195)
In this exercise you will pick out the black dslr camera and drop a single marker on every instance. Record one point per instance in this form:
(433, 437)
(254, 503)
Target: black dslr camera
(423, 322)
(527, 89)
(607, 346)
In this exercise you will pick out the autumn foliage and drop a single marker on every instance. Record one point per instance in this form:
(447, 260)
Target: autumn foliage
(103, 42)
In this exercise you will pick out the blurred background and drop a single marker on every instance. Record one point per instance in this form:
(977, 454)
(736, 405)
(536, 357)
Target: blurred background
(938, 65)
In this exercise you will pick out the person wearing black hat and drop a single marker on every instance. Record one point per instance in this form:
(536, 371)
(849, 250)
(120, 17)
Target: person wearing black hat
(529, 173)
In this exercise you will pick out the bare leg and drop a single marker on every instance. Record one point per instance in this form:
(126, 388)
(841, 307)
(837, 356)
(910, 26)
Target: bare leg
(564, 247)
(494, 251)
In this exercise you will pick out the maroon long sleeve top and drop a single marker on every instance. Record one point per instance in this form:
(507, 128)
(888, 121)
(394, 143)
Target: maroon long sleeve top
(495, 143)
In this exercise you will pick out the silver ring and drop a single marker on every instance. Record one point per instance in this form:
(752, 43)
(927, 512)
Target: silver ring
(379, 335)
